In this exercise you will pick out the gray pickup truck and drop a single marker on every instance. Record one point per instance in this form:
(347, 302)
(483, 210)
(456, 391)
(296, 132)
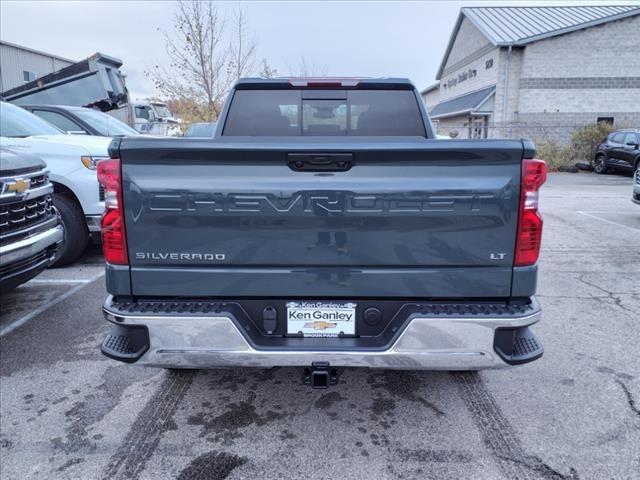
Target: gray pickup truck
(322, 226)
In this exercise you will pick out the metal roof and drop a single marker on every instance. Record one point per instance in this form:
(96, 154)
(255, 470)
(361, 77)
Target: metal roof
(520, 25)
(517, 26)
(462, 104)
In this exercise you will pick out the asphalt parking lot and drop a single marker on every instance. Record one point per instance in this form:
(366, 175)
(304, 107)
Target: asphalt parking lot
(67, 412)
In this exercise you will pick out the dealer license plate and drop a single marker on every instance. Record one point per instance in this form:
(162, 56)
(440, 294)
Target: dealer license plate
(321, 319)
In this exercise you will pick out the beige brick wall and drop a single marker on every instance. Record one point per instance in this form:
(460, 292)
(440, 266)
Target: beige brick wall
(605, 50)
(579, 58)
(471, 50)
(468, 41)
(560, 88)
(483, 78)
(470, 44)
(579, 100)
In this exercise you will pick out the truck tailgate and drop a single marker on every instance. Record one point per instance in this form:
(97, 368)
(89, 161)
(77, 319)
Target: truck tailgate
(410, 217)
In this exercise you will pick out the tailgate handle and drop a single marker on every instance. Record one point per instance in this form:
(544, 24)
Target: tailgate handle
(320, 162)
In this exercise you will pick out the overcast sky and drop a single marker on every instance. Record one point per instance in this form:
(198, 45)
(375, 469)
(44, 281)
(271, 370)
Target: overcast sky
(401, 39)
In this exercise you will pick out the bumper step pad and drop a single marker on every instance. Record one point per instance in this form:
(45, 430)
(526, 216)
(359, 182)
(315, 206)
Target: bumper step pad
(196, 308)
(517, 345)
(126, 344)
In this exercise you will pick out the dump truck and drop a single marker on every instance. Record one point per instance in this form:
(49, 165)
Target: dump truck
(95, 82)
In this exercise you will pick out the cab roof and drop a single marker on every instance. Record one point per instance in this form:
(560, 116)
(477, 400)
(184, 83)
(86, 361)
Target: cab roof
(324, 82)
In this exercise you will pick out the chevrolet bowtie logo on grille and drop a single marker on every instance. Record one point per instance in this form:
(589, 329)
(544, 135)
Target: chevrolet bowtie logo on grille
(19, 185)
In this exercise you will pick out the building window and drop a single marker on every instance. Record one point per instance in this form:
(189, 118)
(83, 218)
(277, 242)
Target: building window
(608, 120)
(28, 76)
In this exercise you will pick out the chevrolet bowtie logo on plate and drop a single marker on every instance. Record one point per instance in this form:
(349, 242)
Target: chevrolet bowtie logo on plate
(19, 185)
(320, 325)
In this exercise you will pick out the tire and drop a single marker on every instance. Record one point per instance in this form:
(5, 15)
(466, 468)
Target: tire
(600, 164)
(76, 234)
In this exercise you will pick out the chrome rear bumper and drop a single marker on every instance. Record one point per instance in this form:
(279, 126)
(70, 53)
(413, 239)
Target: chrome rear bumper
(429, 343)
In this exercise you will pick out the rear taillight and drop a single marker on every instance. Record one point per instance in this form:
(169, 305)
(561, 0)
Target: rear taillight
(114, 239)
(534, 174)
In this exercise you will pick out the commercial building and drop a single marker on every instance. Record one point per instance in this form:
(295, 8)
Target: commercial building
(20, 65)
(538, 72)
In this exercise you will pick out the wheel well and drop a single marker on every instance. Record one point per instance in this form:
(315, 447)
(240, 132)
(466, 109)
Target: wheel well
(66, 191)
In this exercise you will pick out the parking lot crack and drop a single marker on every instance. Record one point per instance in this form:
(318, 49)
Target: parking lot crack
(609, 294)
(630, 400)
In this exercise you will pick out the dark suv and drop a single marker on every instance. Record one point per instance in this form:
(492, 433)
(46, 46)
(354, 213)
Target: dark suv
(620, 150)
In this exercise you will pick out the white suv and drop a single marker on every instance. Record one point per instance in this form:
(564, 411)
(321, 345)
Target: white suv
(71, 161)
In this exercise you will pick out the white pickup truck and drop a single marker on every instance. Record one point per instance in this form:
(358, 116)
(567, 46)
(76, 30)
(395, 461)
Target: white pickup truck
(71, 161)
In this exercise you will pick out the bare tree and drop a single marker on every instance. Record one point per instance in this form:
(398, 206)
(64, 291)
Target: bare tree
(307, 69)
(203, 63)
(242, 49)
(266, 71)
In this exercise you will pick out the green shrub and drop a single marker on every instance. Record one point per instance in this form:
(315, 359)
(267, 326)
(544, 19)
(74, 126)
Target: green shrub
(585, 139)
(580, 149)
(554, 154)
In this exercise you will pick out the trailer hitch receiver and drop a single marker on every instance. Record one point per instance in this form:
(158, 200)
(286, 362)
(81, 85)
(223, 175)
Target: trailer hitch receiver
(320, 375)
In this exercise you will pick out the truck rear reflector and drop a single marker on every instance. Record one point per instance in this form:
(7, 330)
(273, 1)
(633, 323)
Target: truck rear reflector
(529, 236)
(114, 240)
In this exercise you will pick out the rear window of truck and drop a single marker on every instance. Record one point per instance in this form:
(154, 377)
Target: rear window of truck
(295, 113)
